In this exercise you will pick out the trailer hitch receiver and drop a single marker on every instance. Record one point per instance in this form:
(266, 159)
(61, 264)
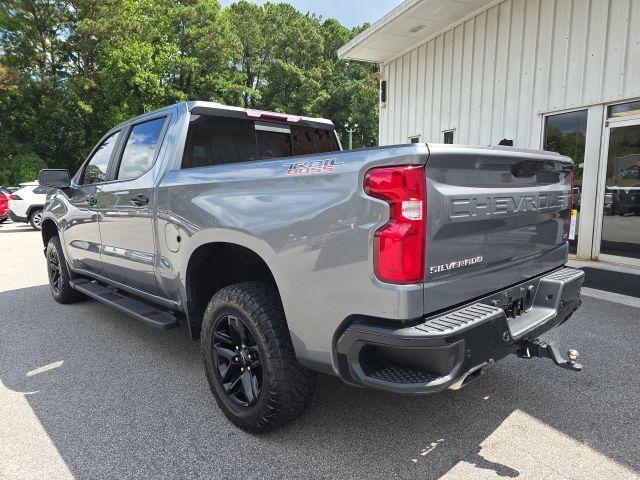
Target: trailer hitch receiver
(540, 349)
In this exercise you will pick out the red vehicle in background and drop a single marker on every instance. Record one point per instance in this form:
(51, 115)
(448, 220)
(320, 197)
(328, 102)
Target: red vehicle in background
(4, 205)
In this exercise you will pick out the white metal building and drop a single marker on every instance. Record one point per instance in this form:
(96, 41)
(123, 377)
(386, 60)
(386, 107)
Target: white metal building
(557, 74)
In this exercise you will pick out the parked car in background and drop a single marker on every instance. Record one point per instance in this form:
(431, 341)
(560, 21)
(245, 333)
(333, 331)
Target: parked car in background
(27, 202)
(4, 205)
(624, 200)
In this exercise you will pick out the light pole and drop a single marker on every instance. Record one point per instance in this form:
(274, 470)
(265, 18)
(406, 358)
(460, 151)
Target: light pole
(350, 131)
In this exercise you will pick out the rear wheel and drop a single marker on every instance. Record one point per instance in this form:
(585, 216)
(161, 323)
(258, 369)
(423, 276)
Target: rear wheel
(59, 275)
(35, 219)
(249, 359)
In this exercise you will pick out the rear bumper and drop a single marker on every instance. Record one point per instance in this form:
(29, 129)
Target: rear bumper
(446, 350)
(16, 218)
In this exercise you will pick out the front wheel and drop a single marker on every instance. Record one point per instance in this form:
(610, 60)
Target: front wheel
(249, 359)
(35, 219)
(59, 275)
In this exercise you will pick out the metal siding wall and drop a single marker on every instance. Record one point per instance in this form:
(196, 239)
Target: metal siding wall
(491, 76)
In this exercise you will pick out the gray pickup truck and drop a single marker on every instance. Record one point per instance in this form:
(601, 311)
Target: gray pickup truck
(409, 268)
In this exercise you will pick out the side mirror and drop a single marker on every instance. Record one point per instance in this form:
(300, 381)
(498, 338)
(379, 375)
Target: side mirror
(54, 177)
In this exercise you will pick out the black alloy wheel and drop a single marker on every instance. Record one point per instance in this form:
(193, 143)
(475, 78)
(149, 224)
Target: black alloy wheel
(237, 360)
(53, 264)
(249, 360)
(59, 274)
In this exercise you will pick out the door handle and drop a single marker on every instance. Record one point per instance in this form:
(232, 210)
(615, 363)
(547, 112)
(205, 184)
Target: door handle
(91, 200)
(140, 200)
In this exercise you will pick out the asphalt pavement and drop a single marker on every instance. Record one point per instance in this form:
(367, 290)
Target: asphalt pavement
(87, 392)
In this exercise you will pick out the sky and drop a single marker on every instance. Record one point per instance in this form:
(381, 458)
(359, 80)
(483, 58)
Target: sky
(349, 12)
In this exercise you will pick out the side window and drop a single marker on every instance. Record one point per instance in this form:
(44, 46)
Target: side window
(273, 142)
(140, 150)
(307, 140)
(96, 169)
(215, 140)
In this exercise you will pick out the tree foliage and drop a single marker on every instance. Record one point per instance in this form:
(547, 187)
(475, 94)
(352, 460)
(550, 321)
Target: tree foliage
(71, 69)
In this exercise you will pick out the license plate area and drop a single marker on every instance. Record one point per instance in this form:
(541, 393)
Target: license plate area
(514, 308)
(515, 300)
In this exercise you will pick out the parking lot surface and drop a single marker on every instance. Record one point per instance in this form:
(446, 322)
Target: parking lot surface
(87, 392)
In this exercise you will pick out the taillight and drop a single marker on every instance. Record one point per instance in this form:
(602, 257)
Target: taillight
(399, 246)
(14, 197)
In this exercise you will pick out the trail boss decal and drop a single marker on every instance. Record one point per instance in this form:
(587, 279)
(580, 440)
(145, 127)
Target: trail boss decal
(312, 166)
(453, 265)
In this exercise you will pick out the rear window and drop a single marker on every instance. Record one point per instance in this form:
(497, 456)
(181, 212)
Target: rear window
(273, 141)
(217, 141)
(307, 140)
(213, 140)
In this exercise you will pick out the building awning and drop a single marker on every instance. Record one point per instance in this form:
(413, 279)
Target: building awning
(410, 23)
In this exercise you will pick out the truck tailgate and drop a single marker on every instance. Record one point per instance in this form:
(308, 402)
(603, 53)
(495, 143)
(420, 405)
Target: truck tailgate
(496, 216)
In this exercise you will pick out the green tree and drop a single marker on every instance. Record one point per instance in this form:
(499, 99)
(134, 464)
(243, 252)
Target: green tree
(71, 69)
(246, 20)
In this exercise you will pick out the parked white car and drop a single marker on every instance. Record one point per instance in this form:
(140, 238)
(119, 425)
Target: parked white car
(27, 203)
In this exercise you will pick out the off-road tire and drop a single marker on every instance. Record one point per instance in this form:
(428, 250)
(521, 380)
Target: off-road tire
(287, 387)
(60, 286)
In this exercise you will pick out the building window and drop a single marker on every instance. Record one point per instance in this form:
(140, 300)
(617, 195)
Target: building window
(624, 110)
(415, 139)
(448, 136)
(566, 134)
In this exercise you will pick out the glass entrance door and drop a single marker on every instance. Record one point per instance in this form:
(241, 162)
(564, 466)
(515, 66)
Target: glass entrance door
(620, 193)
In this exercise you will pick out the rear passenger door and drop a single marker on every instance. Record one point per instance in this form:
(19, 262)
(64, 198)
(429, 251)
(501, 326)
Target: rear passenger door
(126, 204)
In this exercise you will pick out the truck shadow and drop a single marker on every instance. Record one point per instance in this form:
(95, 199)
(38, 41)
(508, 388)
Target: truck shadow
(118, 399)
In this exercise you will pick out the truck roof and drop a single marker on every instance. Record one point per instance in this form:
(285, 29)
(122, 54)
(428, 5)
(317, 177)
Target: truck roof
(259, 114)
(246, 112)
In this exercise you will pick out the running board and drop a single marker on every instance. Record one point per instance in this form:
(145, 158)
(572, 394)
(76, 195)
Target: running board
(161, 319)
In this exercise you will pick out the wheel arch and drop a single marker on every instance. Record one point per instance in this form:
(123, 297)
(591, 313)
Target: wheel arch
(214, 265)
(32, 209)
(48, 230)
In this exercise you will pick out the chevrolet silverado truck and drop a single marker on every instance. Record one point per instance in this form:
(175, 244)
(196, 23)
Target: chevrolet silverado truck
(409, 268)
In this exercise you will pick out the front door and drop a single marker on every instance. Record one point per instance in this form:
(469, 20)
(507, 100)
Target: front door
(619, 236)
(126, 206)
(81, 228)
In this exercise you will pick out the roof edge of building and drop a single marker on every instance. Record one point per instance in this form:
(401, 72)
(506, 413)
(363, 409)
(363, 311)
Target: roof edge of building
(343, 52)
